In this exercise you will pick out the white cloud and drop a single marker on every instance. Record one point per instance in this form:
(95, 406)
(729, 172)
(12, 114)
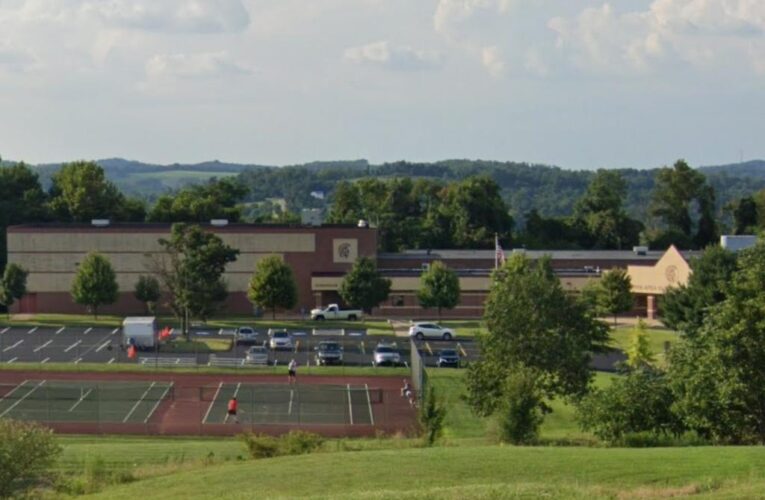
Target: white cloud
(450, 12)
(699, 33)
(197, 65)
(382, 53)
(15, 59)
(491, 58)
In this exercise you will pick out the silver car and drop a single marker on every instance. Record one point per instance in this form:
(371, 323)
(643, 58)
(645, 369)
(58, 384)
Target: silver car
(246, 335)
(257, 355)
(386, 355)
(280, 339)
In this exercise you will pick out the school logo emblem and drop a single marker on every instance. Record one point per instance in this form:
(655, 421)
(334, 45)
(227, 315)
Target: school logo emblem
(344, 250)
(671, 274)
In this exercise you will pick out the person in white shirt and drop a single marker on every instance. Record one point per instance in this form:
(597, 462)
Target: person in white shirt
(292, 370)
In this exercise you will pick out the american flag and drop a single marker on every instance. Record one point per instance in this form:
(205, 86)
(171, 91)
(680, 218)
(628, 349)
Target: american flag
(499, 254)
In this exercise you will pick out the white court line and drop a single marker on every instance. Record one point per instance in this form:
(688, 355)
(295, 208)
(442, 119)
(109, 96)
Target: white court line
(12, 360)
(5, 329)
(33, 330)
(350, 407)
(369, 404)
(77, 360)
(161, 398)
(110, 361)
(236, 391)
(103, 346)
(22, 398)
(41, 347)
(73, 346)
(12, 346)
(60, 330)
(45, 360)
(289, 410)
(138, 402)
(87, 331)
(13, 390)
(215, 398)
(75, 405)
(114, 332)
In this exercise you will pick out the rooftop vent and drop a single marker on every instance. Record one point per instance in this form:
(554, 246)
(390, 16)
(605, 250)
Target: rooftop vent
(363, 223)
(219, 222)
(99, 222)
(640, 250)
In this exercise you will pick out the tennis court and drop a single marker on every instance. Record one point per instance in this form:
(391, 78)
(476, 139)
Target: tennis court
(83, 401)
(293, 404)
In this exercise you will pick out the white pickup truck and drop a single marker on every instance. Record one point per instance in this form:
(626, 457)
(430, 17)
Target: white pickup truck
(332, 311)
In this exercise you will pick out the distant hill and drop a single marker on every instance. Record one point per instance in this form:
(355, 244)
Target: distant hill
(752, 169)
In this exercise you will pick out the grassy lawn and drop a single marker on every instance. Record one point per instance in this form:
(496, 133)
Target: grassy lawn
(472, 472)
(657, 337)
(197, 345)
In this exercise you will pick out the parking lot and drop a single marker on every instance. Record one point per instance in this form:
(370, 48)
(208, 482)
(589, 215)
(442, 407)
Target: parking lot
(103, 345)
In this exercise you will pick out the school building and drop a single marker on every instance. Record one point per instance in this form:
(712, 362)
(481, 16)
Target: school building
(319, 256)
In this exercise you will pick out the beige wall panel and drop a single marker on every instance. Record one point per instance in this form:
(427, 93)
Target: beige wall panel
(325, 283)
(84, 242)
(67, 262)
(271, 242)
(239, 282)
(671, 270)
(575, 284)
(245, 263)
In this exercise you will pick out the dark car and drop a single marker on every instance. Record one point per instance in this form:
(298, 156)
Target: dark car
(448, 358)
(329, 353)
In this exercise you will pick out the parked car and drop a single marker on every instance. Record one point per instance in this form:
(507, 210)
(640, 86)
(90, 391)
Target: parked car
(246, 335)
(448, 358)
(257, 355)
(280, 339)
(385, 354)
(333, 311)
(422, 331)
(328, 353)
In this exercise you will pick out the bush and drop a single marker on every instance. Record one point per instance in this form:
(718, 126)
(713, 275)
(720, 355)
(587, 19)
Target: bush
(292, 443)
(431, 417)
(27, 452)
(523, 410)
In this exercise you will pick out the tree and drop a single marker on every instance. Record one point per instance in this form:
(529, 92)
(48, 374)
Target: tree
(28, 452)
(745, 215)
(614, 293)
(639, 353)
(363, 286)
(431, 416)
(683, 308)
(22, 200)
(600, 212)
(535, 326)
(439, 288)
(147, 291)
(95, 283)
(200, 203)
(640, 401)
(523, 407)
(13, 285)
(80, 192)
(191, 269)
(672, 201)
(717, 373)
(476, 212)
(273, 285)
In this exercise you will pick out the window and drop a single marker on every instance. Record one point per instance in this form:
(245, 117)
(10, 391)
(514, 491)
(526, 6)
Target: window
(398, 300)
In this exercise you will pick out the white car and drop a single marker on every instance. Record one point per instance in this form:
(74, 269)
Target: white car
(386, 355)
(280, 339)
(246, 335)
(422, 331)
(257, 355)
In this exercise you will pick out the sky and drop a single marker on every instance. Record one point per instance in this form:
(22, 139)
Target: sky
(581, 84)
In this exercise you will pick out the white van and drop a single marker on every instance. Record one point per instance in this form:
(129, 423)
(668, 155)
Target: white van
(141, 332)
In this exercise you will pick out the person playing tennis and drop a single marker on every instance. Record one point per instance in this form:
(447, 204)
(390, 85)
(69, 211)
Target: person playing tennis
(292, 371)
(233, 408)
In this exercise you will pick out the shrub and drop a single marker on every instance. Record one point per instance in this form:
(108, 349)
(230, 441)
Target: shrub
(523, 409)
(260, 445)
(300, 443)
(431, 417)
(27, 452)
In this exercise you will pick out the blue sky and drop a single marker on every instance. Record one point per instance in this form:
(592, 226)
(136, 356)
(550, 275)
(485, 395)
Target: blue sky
(577, 83)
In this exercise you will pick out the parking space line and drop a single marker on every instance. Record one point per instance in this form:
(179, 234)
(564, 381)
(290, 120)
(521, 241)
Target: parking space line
(12, 346)
(32, 330)
(60, 330)
(363, 348)
(75, 405)
(41, 347)
(369, 404)
(14, 390)
(73, 346)
(215, 398)
(12, 360)
(77, 360)
(110, 361)
(82, 354)
(103, 345)
(138, 402)
(5, 329)
(45, 360)
(87, 331)
(114, 332)
(22, 398)
(350, 406)
(161, 398)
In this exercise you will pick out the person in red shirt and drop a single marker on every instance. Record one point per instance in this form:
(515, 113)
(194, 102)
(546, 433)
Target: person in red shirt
(233, 406)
